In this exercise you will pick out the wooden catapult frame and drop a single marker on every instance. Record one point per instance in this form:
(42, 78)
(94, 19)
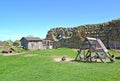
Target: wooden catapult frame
(93, 45)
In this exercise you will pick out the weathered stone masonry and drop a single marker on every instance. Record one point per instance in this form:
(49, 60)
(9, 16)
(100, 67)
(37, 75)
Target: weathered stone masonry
(108, 32)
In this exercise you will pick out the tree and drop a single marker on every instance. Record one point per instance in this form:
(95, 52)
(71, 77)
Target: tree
(6, 44)
(16, 43)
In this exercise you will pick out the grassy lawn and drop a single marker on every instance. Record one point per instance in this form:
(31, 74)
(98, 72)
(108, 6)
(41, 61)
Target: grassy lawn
(42, 67)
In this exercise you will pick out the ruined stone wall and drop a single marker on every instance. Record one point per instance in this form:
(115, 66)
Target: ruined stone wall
(108, 32)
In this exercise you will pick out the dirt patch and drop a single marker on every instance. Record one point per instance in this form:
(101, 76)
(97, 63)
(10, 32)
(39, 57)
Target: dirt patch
(59, 59)
(10, 54)
(30, 55)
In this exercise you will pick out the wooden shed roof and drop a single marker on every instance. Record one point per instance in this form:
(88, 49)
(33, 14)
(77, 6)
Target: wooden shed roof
(31, 38)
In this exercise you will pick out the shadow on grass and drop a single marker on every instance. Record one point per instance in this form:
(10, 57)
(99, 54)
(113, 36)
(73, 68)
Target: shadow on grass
(117, 58)
(84, 61)
(88, 61)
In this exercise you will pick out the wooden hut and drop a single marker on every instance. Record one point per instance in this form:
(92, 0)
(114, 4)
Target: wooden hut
(31, 43)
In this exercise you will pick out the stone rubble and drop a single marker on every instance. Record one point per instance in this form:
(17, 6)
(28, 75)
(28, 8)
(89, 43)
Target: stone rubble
(108, 32)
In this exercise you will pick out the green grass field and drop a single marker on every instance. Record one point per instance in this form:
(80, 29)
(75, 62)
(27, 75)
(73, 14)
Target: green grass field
(42, 67)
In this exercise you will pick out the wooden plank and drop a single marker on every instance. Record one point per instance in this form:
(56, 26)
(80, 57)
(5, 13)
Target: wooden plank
(102, 45)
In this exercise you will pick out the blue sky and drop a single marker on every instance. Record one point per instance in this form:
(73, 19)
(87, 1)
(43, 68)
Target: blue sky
(20, 18)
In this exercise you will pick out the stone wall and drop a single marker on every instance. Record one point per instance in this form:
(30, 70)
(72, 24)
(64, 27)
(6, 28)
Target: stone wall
(108, 32)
